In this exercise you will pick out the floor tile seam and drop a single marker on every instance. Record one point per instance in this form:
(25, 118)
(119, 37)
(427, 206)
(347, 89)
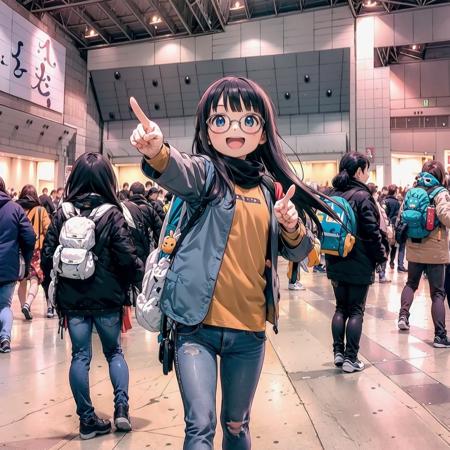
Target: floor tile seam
(297, 394)
(398, 385)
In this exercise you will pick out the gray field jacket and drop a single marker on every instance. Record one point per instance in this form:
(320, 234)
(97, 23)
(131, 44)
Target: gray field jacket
(191, 281)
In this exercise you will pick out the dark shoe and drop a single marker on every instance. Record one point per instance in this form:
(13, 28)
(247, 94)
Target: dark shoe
(26, 312)
(50, 313)
(350, 366)
(402, 269)
(90, 428)
(441, 342)
(338, 359)
(5, 346)
(384, 280)
(392, 265)
(403, 323)
(122, 418)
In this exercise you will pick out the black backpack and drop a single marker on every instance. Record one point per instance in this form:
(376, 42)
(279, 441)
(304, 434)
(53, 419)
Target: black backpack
(139, 229)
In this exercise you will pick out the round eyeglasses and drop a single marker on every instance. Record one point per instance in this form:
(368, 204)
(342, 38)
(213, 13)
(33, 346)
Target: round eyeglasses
(250, 123)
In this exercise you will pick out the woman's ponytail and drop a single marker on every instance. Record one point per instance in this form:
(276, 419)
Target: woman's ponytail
(341, 180)
(348, 167)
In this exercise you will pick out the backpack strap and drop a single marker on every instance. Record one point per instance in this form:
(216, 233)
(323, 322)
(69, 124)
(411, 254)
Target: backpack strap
(128, 216)
(69, 210)
(436, 191)
(100, 211)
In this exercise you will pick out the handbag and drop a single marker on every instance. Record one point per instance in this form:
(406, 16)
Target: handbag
(22, 267)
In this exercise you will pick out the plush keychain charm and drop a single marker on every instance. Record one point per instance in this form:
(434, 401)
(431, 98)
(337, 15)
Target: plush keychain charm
(169, 243)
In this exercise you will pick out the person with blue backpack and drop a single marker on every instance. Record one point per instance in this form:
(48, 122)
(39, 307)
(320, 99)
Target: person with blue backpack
(426, 213)
(222, 284)
(351, 266)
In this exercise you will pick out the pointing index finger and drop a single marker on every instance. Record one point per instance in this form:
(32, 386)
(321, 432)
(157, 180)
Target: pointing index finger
(289, 194)
(143, 119)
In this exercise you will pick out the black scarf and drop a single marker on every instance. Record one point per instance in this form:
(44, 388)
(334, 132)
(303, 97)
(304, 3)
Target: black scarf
(28, 202)
(246, 173)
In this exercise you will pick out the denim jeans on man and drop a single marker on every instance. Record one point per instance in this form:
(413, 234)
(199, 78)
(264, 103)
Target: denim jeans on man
(6, 315)
(241, 359)
(436, 280)
(80, 329)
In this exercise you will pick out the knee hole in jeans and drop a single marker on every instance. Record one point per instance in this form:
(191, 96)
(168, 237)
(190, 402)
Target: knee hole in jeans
(191, 349)
(236, 428)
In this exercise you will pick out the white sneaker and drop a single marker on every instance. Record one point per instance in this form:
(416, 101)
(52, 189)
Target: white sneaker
(296, 286)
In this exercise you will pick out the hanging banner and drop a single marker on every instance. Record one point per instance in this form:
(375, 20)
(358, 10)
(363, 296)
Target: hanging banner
(32, 64)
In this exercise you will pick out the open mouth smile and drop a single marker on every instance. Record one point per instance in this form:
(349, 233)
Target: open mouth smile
(235, 143)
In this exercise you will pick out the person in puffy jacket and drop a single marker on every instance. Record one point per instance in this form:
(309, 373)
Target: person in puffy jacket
(351, 276)
(98, 300)
(430, 255)
(16, 238)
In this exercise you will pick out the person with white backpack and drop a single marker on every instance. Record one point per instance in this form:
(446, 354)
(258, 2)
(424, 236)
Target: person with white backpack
(91, 258)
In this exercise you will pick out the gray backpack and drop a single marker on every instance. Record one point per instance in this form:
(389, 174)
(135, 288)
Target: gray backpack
(74, 257)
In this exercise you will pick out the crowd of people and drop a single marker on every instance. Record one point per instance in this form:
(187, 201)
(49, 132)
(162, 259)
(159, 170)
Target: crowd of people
(87, 245)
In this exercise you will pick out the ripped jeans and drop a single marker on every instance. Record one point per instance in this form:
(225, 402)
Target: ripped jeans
(241, 359)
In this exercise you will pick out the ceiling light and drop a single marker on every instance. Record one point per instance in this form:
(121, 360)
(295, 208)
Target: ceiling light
(90, 34)
(236, 6)
(155, 19)
(370, 4)
(287, 95)
(307, 78)
(117, 75)
(329, 92)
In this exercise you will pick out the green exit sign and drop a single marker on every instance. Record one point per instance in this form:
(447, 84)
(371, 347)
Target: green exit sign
(426, 103)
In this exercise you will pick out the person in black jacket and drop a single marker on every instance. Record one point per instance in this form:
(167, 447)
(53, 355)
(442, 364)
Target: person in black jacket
(98, 300)
(46, 202)
(153, 222)
(351, 276)
(392, 209)
(152, 197)
(16, 237)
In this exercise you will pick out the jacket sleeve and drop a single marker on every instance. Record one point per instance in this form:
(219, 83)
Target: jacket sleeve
(369, 228)
(51, 241)
(301, 248)
(123, 250)
(27, 238)
(182, 174)
(442, 202)
(155, 223)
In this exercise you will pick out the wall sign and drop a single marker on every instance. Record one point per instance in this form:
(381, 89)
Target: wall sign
(32, 64)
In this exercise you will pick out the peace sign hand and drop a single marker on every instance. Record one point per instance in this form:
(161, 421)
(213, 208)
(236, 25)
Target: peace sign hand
(147, 136)
(285, 211)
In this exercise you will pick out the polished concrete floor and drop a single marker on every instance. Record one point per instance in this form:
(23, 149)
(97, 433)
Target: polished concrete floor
(401, 400)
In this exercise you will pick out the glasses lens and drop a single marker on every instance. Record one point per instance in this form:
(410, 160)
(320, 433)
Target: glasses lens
(250, 123)
(219, 123)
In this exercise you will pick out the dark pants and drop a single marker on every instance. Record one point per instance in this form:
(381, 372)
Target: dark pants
(241, 359)
(436, 281)
(348, 318)
(294, 276)
(447, 283)
(401, 254)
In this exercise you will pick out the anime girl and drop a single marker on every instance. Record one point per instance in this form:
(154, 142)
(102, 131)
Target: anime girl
(223, 284)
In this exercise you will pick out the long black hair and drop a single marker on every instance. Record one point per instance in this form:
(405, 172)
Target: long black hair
(348, 166)
(2, 185)
(270, 154)
(92, 173)
(28, 197)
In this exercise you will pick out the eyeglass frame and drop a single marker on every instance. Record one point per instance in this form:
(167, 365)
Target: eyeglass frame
(263, 122)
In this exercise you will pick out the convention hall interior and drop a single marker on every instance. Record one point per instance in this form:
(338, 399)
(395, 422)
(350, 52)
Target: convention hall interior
(371, 76)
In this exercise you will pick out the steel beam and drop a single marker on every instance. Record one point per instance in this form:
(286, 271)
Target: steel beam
(180, 16)
(218, 14)
(247, 10)
(191, 8)
(169, 22)
(66, 5)
(90, 23)
(138, 14)
(123, 28)
(275, 7)
(352, 8)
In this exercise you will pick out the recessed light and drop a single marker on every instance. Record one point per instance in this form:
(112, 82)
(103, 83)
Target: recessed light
(307, 78)
(287, 95)
(329, 93)
(117, 75)
(155, 83)
(187, 79)
(156, 106)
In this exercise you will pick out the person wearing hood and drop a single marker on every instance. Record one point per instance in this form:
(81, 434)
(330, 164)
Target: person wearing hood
(99, 299)
(351, 276)
(38, 216)
(142, 211)
(157, 205)
(17, 241)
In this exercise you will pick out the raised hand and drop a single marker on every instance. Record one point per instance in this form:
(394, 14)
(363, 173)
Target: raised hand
(285, 211)
(147, 136)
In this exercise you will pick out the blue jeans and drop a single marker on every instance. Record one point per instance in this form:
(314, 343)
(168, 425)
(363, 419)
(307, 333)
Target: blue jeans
(80, 329)
(401, 255)
(6, 315)
(241, 359)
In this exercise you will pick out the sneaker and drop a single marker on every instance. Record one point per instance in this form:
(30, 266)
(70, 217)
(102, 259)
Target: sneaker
(403, 323)
(350, 366)
(26, 312)
(50, 313)
(90, 428)
(338, 359)
(320, 269)
(441, 342)
(122, 418)
(402, 269)
(5, 346)
(392, 265)
(384, 280)
(296, 286)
